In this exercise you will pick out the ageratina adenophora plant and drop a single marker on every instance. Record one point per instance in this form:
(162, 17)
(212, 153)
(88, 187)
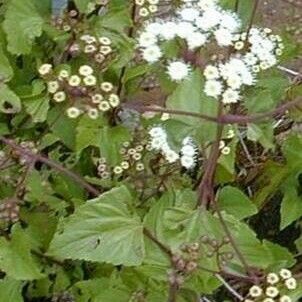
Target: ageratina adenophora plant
(149, 151)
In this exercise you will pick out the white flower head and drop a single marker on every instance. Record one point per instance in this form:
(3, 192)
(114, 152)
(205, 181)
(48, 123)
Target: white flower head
(53, 86)
(195, 40)
(89, 80)
(152, 54)
(272, 278)
(211, 72)
(285, 273)
(230, 96)
(255, 291)
(85, 70)
(59, 96)
(213, 88)
(157, 132)
(291, 283)
(114, 100)
(226, 150)
(168, 30)
(147, 39)
(188, 14)
(187, 162)
(171, 156)
(285, 298)
(45, 69)
(188, 150)
(178, 70)
(74, 81)
(73, 112)
(272, 291)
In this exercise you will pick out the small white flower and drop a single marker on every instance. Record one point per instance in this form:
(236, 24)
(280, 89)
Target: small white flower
(93, 113)
(229, 21)
(184, 30)
(117, 170)
(226, 150)
(188, 150)
(153, 8)
(59, 96)
(272, 278)
(291, 283)
(207, 4)
(211, 72)
(143, 12)
(187, 162)
(53, 86)
(140, 2)
(189, 14)
(221, 144)
(153, 1)
(89, 48)
(168, 30)
(105, 50)
(85, 70)
(178, 71)
(63, 74)
(139, 167)
(45, 69)
(195, 40)
(285, 273)
(104, 40)
(104, 106)
(114, 100)
(285, 298)
(73, 112)
(152, 54)
(147, 39)
(157, 132)
(165, 116)
(255, 291)
(157, 143)
(74, 81)
(272, 291)
(106, 86)
(230, 134)
(230, 96)
(213, 88)
(234, 81)
(223, 37)
(90, 80)
(154, 28)
(97, 98)
(125, 165)
(239, 45)
(268, 300)
(171, 156)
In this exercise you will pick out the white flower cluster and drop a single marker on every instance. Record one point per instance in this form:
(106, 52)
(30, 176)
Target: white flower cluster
(82, 90)
(160, 143)
(196, 23)
(225, 80)
(147, 7)
(188, 153)
(276, 287)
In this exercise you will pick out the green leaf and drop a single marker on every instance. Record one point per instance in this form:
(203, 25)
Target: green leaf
(264, 134)
(16, 259)
(9, 101)
(292, 151)
(37, 108)
(102, 230)
(6, 71)
(88, 133)
(111, 139)
(22, 25)
(11, 290)
(236, 203)
(291, 207)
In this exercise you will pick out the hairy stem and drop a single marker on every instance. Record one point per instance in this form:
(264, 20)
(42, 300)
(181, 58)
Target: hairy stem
(40, 158)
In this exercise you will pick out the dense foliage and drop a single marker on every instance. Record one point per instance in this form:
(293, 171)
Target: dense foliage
(150, 151)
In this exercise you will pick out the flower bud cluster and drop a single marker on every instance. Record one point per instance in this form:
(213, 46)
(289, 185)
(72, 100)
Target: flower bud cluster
(146, 7)
(275, 288)
(132, 158)
(9, 210)
(84, 92)
(97, 48)
(67, 22)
